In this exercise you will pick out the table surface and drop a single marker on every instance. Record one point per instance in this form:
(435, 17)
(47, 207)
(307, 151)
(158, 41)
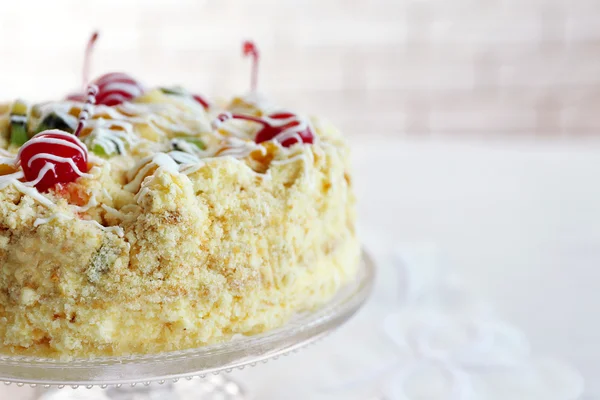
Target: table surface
(518, 219)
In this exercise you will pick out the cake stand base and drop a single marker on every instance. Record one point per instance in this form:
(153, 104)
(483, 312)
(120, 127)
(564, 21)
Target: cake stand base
(216, 387)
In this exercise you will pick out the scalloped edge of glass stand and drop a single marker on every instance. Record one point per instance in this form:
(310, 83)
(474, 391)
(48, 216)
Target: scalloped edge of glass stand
(302, 330)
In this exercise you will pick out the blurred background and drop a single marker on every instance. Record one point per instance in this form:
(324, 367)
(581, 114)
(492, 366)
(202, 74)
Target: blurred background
(480, 67)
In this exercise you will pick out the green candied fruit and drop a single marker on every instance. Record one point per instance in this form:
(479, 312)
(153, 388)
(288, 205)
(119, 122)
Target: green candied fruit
(54, 121)
(100, 151)
(173, 90)
(189, 139)
(18, 123)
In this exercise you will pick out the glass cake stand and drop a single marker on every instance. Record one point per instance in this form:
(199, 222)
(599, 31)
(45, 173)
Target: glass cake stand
(153, 376)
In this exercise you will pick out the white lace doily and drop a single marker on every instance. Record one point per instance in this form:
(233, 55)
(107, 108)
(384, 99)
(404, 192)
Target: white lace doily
(457, 348)
(424, 336)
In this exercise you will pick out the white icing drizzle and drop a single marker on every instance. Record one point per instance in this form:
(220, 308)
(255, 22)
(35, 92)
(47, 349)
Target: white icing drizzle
(125, 85)
(254, 100)
(137, 174)
(184, 158)
(297, 157)
(240, 148)
(111, 140)
(113, 211)
(58, 159)
(125, 116)
(6, 180)
(7, 161)
(218, 122)
(67, 141)
(13, 179)
(140, 195)
(191, 168)
(293, 131)
(115, 229)
(33, 193)
(113, 76)
(58, 215)
(61, 142)
(92, 202)
(48, 166)
(307, 157)
(191, 148)
(105, 193)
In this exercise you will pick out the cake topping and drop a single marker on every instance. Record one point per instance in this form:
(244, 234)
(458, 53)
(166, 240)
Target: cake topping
(182, 92)
(56, 157)
(113, 88)
(284, 127)
(53, 157)
(116, 88)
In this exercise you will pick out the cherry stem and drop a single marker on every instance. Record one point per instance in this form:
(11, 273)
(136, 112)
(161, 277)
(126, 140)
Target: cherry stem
(87, 59)
(250, 49)
(87, 108)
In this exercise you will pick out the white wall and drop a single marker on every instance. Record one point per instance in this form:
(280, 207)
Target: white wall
(375, 66)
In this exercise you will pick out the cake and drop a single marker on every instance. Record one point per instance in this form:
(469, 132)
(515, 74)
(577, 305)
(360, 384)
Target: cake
(156, 220)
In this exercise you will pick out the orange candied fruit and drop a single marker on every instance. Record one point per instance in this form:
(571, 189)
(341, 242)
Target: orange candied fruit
(6, 169)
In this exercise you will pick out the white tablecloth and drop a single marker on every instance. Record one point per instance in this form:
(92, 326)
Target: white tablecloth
(518, 220)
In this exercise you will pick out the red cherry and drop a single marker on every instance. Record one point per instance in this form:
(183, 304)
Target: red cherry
(116, 88)
(290, 121)
(53, 157)
(286, 124)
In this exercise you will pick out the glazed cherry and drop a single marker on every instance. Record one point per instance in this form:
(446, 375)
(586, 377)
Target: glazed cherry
(291, 124)
(53, 157)
(114, 88)
(284, 127)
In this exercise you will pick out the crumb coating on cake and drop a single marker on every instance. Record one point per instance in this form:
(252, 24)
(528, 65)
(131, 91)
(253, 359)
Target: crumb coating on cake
(145, 257)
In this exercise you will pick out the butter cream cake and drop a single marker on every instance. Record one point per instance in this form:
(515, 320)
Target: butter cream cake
(138, 220)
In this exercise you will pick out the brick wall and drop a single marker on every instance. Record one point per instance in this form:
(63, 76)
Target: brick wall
(374, 66)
